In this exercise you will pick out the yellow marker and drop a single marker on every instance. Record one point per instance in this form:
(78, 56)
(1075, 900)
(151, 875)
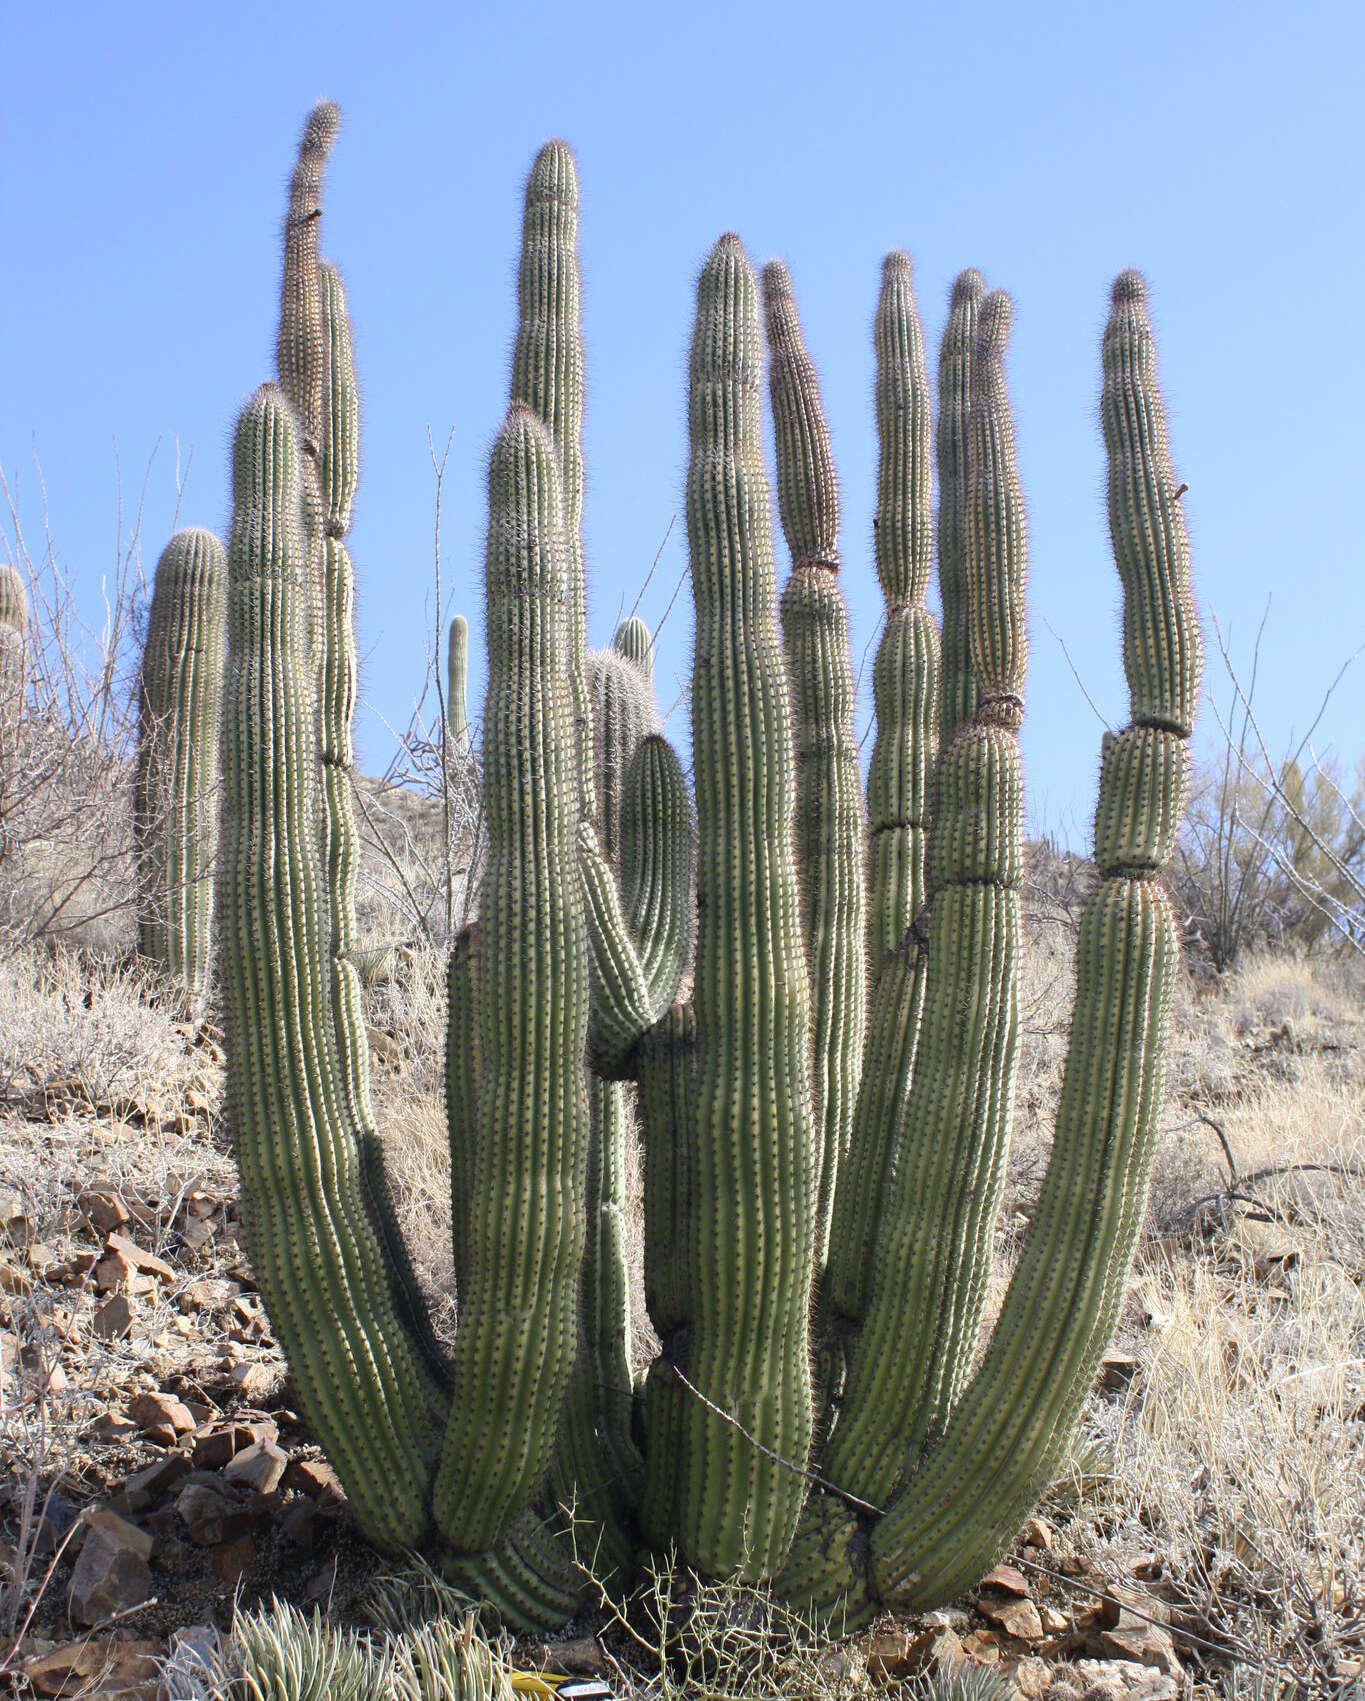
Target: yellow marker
(555, 1686)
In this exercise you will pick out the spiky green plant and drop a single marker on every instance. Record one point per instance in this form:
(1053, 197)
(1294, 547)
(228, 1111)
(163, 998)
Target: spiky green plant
(823, 1155)
(175, 798)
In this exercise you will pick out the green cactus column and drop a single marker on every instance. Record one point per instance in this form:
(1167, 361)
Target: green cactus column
(599, 1464)
(301, 355)
(633, 641)
(957, 693)
(323, 1270)
(175, 798)
(829, 792)
(719, 1487)
(457, 688)
(547, 375)
(1008, 1432)
(931, 1262)
(904, 686)
(13, 639)
(338, 472)
(528, 1175)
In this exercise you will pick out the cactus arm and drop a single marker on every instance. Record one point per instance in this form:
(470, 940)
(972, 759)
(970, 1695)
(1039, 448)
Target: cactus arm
(829, 793)
(639, 939)
(658, 863)
(515, 1347)
(957, 691)
(744, 1346)
(457, 688)
(633, 641)
(320, 1265)
(176, 780)
(1008, 1433)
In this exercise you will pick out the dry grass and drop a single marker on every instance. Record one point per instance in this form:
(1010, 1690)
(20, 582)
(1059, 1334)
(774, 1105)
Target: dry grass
(1236, 1454)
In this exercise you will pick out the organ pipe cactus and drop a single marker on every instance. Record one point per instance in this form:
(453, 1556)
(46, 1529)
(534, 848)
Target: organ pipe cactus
(825, 1117)
(175, 800)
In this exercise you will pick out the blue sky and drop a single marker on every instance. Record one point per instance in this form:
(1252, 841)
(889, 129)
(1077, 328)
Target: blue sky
(144, 154)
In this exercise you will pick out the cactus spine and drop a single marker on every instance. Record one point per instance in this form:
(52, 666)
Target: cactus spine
(175, 811)
(764, 1104)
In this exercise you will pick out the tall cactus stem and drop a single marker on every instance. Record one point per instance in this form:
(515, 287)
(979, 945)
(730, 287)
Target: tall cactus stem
(904, 688)
(957, 692)
(931, 1262)
(321, 1267)
(742, 1344)
(829, 796)
(518, 1327)
(175, 793)
(457, 687)
(301, 356)
(547, 375)
(954, 1516)
(338, 473)
(905, 674)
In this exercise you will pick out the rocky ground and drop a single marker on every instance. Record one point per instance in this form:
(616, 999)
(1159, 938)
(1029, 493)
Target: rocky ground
(156, 1477)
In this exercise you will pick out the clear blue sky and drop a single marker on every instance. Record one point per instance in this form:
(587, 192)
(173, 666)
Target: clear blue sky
(144, 153)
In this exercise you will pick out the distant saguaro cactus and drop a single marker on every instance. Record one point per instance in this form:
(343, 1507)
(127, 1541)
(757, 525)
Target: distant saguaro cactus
(13, 637)
(457, 687)
(826, 1111)
(176, 783)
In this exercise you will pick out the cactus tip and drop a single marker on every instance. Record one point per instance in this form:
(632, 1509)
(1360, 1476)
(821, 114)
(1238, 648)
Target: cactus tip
(777, 280)
(997, 315)
(554, 173)
(897, 267)
(324, 121)
(1129, 287)
(968, 286)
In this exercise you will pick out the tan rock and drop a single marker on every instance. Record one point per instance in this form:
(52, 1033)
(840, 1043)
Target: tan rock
(1005, 1580)
(1144, 1644)
(161, 1410)
(1015, 1616)
(260, 1466)
(114, 1319)
(1031, 1676)
(104, 1208)
(147, 1263)
(316, 1479)
(73, 1667)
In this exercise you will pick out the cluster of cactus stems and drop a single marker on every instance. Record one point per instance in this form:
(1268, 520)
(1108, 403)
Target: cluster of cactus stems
(825, 1116)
